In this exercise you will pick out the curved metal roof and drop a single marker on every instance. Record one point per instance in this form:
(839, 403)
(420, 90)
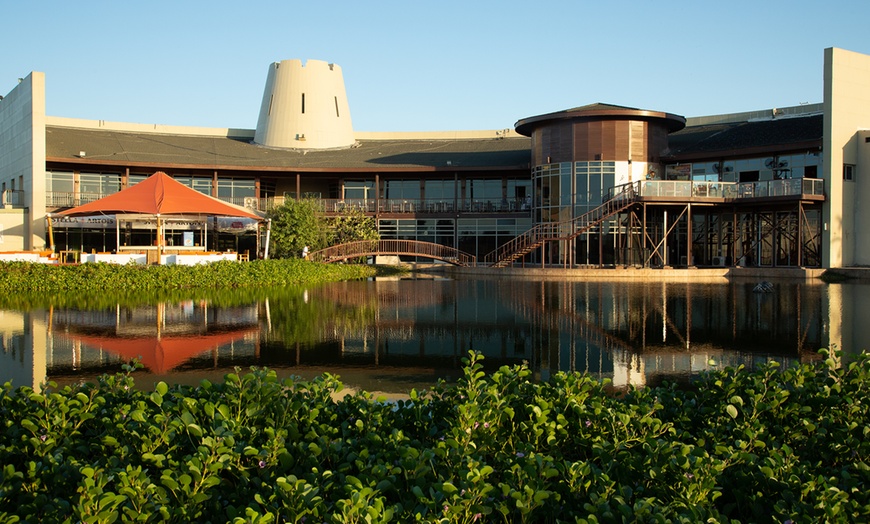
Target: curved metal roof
(599, 111)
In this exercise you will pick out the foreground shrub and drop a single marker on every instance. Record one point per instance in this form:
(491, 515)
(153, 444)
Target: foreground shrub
(769, 446)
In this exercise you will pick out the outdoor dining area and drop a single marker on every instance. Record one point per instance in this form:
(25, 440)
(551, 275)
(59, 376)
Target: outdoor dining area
(175, 219)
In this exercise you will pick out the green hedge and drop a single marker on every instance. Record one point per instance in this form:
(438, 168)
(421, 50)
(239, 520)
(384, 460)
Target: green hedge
(775, 445)
(100, 277)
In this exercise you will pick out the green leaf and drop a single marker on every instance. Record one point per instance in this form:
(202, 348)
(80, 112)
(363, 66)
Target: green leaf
(732, 411)
(448, 488)
(161, 388)
(194, 430)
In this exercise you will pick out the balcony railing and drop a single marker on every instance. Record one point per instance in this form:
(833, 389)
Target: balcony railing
(679, 189)
(69, 199)
(685, 189)
(426, 205)
(11, 197)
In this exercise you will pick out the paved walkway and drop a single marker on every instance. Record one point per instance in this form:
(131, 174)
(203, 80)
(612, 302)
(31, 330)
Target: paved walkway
(660, 274)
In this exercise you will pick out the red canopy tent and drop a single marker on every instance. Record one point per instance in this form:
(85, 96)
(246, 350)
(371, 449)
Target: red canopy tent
(160, 196)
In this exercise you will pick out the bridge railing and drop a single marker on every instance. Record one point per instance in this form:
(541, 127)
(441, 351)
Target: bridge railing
(363, 248)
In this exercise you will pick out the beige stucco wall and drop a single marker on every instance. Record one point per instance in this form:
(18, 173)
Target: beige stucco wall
(12, 229)
(847, 111)
(862, 199)
(22, 151)
(160, 129)
(304, 107)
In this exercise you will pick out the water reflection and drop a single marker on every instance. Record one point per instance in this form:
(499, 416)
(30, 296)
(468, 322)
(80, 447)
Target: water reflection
(392, 335)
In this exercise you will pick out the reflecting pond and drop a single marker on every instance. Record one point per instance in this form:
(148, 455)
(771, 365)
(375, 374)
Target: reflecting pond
(391, 335)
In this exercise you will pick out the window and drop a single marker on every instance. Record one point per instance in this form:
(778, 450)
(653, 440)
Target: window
(99, 184)
(440, 189)
(401, 189)
(483, 189)
(228, 188)
(303, 103)
(593, 182)
(848, 172)
(358, 189)
(199, 183)
(58, 181)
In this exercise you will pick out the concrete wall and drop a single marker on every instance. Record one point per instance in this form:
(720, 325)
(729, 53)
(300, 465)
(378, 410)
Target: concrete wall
(847, 111)
(22, 151)
(12, 229)
(160, 129)
(304, 107)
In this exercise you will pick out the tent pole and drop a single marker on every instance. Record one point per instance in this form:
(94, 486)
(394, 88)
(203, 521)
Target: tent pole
(268, 232)
(50, 232)
(159, 241)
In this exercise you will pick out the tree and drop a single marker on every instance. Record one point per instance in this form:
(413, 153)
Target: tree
(300, 223)
(296, 224)
(352, 225)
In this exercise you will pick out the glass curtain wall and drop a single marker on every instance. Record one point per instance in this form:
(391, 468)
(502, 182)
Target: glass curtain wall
(401, 189)
(593, 181)
(440, 195)
(483, 194)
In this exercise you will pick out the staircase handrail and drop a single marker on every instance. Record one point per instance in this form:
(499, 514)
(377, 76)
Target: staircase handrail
(622, 197)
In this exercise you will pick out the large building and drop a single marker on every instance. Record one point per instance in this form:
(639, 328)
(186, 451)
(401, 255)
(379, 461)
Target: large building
(596, 185)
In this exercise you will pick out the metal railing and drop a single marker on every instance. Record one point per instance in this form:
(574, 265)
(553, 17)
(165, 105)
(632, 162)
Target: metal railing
(729, 191)
(364, 248)
(427, 205)
(70, 199)
(680, 189)
(550, 231)
(12, 197)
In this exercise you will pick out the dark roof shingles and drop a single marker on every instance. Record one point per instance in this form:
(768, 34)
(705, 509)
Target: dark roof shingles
(115, 147)
(730, 137)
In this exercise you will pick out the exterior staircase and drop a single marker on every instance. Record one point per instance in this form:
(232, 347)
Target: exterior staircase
(551, 231)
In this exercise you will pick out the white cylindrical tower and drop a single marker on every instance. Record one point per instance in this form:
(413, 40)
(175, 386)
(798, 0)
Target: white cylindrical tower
(304, 107)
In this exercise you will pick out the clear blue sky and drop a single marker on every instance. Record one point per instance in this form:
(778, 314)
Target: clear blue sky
(426, 66)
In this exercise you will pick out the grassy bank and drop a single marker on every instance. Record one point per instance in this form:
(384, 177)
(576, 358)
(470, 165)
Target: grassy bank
(18, 277)
(776, 445)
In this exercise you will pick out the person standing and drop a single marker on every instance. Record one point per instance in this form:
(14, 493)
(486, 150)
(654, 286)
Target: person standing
(305, 253)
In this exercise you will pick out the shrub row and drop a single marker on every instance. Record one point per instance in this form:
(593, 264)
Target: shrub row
(774, 445)
(100, 277)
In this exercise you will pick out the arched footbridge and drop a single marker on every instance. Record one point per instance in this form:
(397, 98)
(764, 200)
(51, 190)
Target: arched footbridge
(365, 248)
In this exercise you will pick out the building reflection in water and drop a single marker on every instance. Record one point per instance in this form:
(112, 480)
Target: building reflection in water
(392, 335)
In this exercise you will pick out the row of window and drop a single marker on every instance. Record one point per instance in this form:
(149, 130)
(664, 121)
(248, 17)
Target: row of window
(109, 183)
(472, 189)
